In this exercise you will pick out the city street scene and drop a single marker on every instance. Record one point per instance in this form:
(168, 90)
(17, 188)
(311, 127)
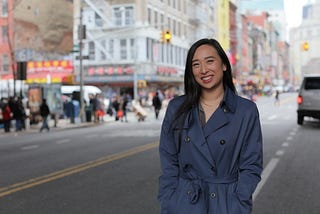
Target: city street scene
(85, 86)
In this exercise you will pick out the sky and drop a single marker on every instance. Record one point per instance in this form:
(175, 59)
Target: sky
(293, 10)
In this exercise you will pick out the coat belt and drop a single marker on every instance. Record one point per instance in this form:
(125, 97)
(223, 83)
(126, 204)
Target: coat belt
(200, 186)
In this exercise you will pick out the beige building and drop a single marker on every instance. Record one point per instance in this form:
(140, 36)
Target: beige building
(123, 42)
(305, 42)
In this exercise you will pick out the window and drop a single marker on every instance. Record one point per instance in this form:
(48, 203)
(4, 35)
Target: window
(149, 16)
(123, 49)
(123, 16)
(91, 50)
(5, 63)
(132, 49)
(312, 83)
(102, 53)
(4, 33)
(111, 48)
(4, 9)
(156, 19)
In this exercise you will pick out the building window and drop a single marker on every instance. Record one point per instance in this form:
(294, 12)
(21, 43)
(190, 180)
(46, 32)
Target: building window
(133, 51)
(123, 49)
(98, 19)
(91, 50)
(155, 19)
(123, 16)
(4, 34)
(4, 8)
(102, 53)
(149, 16)
(111, 48)
(5, 63)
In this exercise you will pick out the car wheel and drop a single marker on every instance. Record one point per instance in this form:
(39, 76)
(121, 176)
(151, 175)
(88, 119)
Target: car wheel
(300, 119)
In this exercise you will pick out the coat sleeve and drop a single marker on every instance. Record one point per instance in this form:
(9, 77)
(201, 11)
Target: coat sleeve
(250, 160)
(168, 180)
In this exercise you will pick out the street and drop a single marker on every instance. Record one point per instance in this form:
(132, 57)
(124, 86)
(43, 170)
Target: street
(114, 167)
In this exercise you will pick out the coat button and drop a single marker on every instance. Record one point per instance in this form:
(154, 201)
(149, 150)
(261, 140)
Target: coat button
(187, 139)
(213, 195)
(213, 168)
(225, 110)
(222, 142)
(189, 192)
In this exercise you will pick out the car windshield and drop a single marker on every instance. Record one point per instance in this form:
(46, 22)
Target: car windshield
(312, 83)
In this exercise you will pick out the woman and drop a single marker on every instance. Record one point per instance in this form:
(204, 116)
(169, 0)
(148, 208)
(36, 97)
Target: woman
(211, 142)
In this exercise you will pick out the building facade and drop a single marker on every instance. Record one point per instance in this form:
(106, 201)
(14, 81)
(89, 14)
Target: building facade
(304, 42)
(123, 42)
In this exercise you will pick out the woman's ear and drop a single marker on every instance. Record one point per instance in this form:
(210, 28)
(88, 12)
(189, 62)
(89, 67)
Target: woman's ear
(224, 68)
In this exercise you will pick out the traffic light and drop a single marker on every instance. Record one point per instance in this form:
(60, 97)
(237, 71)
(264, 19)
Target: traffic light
(165, 36)
(305, 46)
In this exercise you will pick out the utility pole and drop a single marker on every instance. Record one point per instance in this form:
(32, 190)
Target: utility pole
(81, 35)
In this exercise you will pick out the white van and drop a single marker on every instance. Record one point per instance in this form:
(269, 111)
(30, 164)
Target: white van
(87, 90)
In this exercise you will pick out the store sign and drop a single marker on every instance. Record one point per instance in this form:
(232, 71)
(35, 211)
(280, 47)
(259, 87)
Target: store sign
(166, 70)
(54, 71)
(101, 71)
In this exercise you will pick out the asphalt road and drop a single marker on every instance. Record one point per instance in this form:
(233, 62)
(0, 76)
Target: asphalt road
(114, 168)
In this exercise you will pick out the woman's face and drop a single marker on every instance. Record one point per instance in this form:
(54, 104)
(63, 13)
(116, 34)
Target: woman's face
(207, 67)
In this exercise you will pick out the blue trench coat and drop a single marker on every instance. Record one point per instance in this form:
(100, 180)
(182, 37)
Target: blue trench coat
(218, 166)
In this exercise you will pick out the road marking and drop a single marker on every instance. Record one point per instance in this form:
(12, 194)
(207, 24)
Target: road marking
(285, 144)
(265, 175)
(272, 117)
(63, 141)
(289, 138)
(72, 170)
(29, 147)
(279, 152)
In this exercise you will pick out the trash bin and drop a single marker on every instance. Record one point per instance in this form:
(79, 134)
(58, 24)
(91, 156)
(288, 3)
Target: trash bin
(88, 114)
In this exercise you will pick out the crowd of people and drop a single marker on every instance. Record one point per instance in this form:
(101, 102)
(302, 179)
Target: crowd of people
(13, 109)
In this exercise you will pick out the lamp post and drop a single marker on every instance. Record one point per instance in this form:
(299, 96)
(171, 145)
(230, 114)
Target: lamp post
(81, 36)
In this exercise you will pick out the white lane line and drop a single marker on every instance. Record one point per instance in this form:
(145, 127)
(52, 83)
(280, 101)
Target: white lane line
(272, 117)
(292, 133)
(63, 141)
(29, 147)
(265, 175)
(289, 138)
(285, 144)
(279, 152)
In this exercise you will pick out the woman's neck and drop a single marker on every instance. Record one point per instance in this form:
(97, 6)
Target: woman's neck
(212, 97)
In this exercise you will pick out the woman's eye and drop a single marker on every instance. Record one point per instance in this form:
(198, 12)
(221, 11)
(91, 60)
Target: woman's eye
(195, 65)
(210, 61)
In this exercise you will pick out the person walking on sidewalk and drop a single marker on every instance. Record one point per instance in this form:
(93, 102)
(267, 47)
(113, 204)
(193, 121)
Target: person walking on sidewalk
(156, 102)
(44, 112)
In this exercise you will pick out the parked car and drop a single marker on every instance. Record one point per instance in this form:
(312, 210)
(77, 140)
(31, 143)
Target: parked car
(309, 98)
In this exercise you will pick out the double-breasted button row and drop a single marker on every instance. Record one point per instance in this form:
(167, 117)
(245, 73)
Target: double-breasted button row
(222, 142)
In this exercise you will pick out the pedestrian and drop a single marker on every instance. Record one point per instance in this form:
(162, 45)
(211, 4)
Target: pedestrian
(6, 116)
(211, 142)
(277, 98)
(44, 112)
(156, 102)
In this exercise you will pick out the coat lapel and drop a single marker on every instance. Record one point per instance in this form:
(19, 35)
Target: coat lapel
(197, 137)
(217, 120)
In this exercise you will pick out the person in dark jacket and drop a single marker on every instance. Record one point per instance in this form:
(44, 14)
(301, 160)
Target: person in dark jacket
(44, 112)
(157, 103)
(211, 140)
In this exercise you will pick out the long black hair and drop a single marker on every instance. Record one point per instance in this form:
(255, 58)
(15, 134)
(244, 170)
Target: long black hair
(191, 87)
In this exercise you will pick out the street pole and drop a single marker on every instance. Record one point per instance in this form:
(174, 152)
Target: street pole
(135, 71)
(81, 36)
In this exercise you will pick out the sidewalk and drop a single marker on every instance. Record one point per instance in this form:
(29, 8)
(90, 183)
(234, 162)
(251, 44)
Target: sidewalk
(66, 123)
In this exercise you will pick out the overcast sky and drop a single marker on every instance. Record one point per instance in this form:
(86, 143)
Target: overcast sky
(293, 10)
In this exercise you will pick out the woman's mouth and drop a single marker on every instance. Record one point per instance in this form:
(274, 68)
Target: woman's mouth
(207, 79)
